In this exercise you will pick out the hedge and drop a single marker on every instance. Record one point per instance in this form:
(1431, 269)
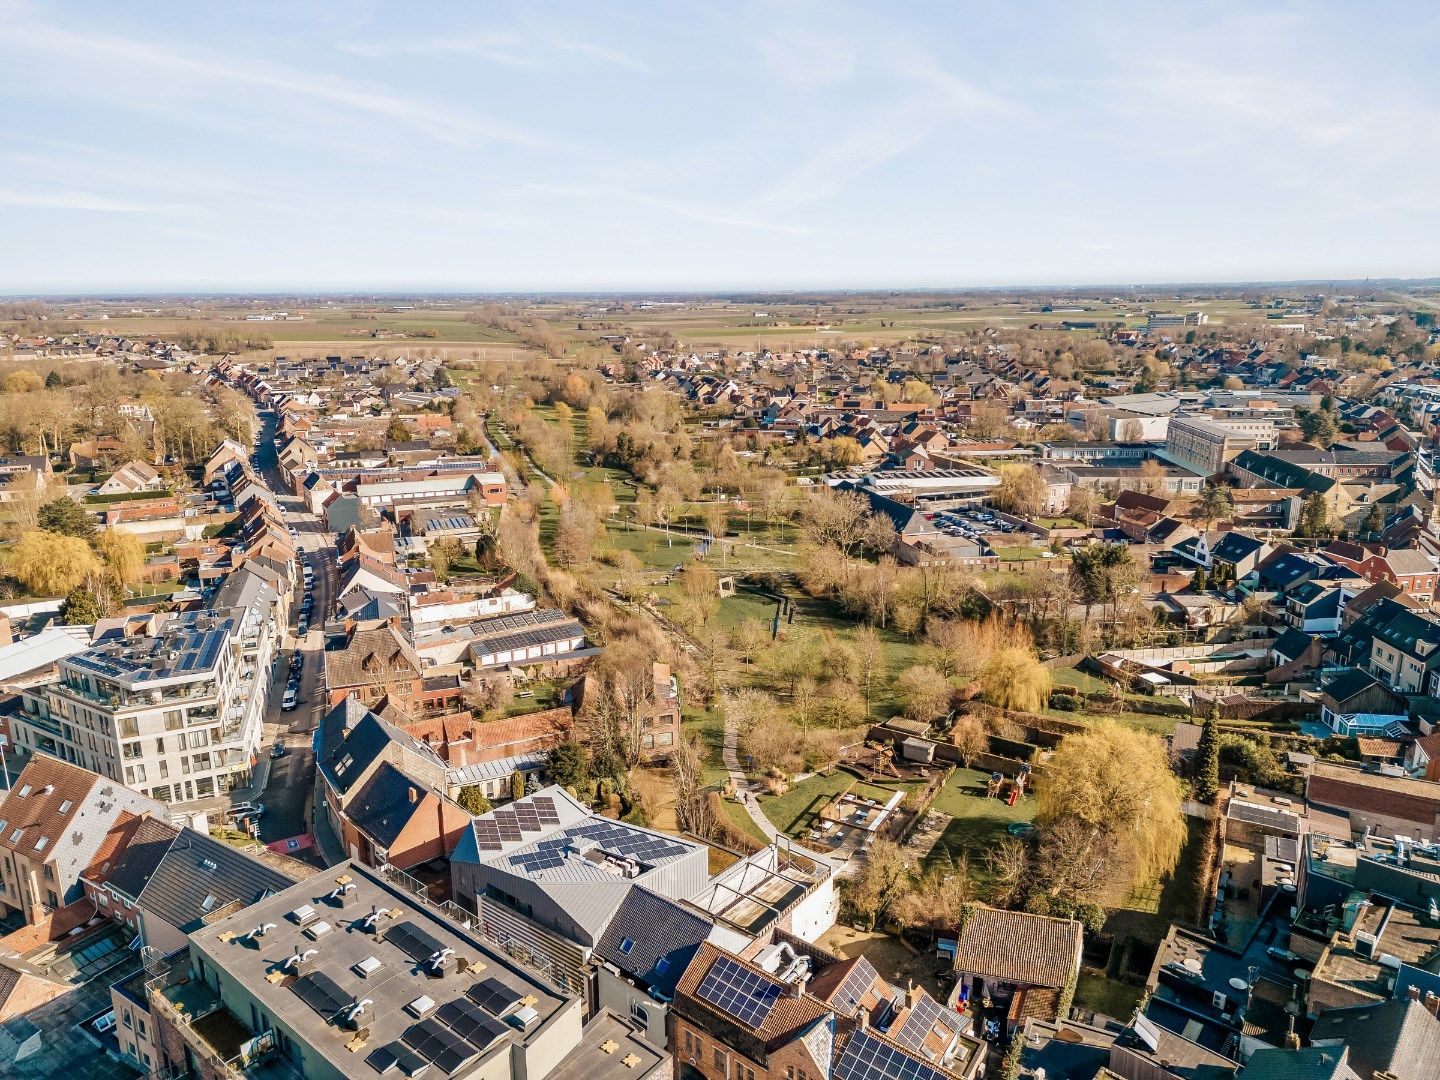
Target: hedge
(1013, 748)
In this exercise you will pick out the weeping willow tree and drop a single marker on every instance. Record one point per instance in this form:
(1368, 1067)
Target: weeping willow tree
(1111, 789)
(1013, 678)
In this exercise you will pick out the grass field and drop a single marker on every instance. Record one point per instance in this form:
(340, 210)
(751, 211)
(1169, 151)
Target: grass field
(978, 822)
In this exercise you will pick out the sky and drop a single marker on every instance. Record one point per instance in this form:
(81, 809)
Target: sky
(273, 146)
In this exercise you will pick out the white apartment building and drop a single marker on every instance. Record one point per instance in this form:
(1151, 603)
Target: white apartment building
(176, 714)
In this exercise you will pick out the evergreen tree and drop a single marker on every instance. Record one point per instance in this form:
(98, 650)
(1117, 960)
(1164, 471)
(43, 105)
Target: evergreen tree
(1207, 758)
(81, 608)
(1314, 518)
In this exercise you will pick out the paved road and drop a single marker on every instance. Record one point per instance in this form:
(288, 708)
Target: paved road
(290, 781)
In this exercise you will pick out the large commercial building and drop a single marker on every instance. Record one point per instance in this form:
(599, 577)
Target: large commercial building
(343, 977)
(175, 712)
(1204, 446)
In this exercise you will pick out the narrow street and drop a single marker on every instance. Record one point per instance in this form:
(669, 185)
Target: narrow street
(289, 783)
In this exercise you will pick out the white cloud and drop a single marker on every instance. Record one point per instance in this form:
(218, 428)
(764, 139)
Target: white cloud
(52, 199)
(147, 65)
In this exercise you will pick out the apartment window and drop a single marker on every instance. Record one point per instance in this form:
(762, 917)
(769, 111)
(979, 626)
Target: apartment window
(51, 898)
(164, 769)
(49, 872)
(140, 1026)
(205, 786)
(174, 718)
(722, 1062)
(161, 791)
(128, 727)
(743, 1072)
(639, 1014)
(198, 739)
(130, 750)
(125, 1019)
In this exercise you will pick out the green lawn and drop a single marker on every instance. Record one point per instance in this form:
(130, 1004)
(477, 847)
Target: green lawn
(1075, 677)
(978, 821)
(1110, 997)
(741, 819)
(1149, 913)
(794, 811)
(709, 725)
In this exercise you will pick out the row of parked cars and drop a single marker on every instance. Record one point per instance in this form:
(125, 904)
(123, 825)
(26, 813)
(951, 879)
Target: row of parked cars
(971, 523)
(302, 627)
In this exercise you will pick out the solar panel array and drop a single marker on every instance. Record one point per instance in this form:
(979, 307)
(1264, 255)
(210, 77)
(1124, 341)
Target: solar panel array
(471, 1023)
(397, 1055)
(855, 986)
(321, 993)
(510, 824)
(438, 1045)
(196, 651)
(919, 1022)
(547, 855)
(744, 994)
(867, 1058)
(619, 840)
(493, 996)
(414, 942)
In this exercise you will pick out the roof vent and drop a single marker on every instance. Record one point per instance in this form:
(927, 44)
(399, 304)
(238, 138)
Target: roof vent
(367, 967)
(261, 930)
(435, 965)
(303, 915)
(293, 962)
(421, 1007)
(340, 895)
(522, 1018)
(318, 930)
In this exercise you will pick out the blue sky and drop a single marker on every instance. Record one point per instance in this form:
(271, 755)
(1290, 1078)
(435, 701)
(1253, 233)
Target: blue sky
(328, 146)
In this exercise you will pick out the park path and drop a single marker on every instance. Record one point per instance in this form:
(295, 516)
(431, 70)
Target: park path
(730, 754)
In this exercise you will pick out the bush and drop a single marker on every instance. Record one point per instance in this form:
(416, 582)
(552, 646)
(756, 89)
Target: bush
(1064, 702)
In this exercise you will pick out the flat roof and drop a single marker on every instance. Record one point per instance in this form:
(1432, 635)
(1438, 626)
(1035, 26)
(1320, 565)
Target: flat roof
(471, 1005)
(188, 644)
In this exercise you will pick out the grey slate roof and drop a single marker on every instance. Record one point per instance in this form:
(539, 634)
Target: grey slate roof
(142, 855)
(1399, 1037)
(196, 868)
(1311, 1063)
(383, 807)
(657, 929)
(352, 756)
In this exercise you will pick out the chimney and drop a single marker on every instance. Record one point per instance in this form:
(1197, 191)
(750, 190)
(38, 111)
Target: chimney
(1432, 1003)
(414, 794)
(1413, 992)
(910, 996)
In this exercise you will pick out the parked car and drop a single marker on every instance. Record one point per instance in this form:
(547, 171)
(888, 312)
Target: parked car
(238, 810)
(290, 700)
(297, 662)
(278, 750)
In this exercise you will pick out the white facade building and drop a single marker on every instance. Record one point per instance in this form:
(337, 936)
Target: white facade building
(176, 714)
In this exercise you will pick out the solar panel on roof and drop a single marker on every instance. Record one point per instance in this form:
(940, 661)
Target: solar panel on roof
(543, 802)
(867, 1058)
(471, 1023)
(436, 1043)
(414, 942)
(855, 985)
(744, 994)
(493, 996)
(321, 993)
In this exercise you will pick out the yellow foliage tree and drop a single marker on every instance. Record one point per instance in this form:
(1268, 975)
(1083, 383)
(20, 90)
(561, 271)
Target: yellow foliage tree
(1012, 678)
(1117, 785)
(21, 382)
(124, 554)
(50, 564)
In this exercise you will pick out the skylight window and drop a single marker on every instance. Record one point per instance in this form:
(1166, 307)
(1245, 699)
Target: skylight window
(40, 844)
(15, 836)
(208, 904)
(627, 945)
(24, 790)
(65, 807)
